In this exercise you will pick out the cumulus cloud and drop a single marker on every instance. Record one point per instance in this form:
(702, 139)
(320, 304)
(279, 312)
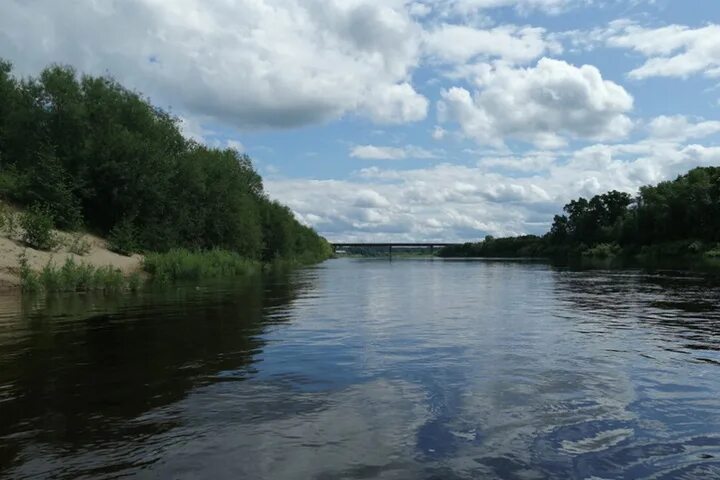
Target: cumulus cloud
(266, 63)
(374, 152)
(370, 199)
(542, 104)
(236, 145)
(673, 50)
(459, 44)
(528, 163)
(192, 128)
(497, 196)
(680, 128)
(469, 7)
(396, 104)
(438, 133)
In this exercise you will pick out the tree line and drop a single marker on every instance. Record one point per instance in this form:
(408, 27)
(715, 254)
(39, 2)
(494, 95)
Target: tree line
(676, 217)
(93, 154)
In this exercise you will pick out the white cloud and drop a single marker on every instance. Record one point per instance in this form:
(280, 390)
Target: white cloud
(374, 152)
(531, 162)
(459, 202)
(370, 199)
(543, 105)
(459, 44)
(192, 128)
(438, 133)
(397, 104)
(470, 7)
(680, 128)
(235, 145)
(673, 50)
(248, 64)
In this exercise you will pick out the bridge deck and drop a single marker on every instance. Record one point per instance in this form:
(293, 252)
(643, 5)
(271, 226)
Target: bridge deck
(394, 244)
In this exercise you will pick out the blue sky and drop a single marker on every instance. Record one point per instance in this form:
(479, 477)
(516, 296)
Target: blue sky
(412, 119)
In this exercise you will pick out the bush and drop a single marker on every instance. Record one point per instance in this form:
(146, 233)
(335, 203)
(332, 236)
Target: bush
(134, 282)
(29, 279)
(75, 277)
(79, 246)
(48, 183)
(8, 182)
(696, 247)
(108, 278)
(51, 278)
(181, 264)
(8, 221)
(123, 238)
(603, 250)
(37, 225)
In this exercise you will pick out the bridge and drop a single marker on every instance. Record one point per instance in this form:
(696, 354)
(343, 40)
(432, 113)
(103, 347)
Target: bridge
(391, 245)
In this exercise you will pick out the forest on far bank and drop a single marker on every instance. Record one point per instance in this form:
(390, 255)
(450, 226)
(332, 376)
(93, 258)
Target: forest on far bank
(680, 217)
(90, 154)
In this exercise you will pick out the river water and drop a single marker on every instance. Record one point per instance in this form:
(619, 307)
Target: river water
(362, 369)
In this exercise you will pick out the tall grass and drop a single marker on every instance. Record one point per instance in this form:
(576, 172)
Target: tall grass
(75, 277)
(29, 279)
(182, 264)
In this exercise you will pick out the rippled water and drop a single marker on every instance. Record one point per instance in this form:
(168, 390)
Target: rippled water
(370, 369)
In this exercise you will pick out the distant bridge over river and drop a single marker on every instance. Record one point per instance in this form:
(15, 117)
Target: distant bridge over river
(390, 245)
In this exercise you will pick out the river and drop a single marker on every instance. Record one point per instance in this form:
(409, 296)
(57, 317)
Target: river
(363, 369)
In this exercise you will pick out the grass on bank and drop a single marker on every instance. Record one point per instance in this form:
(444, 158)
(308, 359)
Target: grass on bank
(182, 264)
(76, 277)
(167, 267)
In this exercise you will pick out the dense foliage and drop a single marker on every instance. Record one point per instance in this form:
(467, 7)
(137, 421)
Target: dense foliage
(92, 153)
(676, 217)
(525, 246)
(181, 264)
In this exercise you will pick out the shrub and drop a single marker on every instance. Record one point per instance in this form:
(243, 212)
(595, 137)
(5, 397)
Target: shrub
(696, 247)
(74, 277)
(181, 264)
(51, 278)
(12, 224)
(134, 281)
(8, 181)
(8, 221)
(29, 279)
(79, 246)
(603, 250)
(45, 181)
(678, 248)
(123, 238)
(37, 225)
(108, 278)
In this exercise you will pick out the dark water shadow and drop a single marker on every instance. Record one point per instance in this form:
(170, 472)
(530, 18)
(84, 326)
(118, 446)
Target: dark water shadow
(75, 368)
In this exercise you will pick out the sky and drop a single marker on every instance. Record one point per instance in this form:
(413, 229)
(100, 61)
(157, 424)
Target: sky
(411, 120)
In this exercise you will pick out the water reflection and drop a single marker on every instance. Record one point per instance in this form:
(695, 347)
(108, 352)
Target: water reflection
(74, 369)
(371, 369)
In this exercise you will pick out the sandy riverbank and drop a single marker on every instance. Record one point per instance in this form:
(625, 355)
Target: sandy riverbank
(98, 255)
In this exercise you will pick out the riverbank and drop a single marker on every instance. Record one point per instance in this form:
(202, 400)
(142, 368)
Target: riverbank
(83, 262)
(680, 256)
(96, 254)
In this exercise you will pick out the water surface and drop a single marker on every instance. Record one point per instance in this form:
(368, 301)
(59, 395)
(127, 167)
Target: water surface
(414, 369)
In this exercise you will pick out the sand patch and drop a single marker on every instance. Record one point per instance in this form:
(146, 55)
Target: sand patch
(98, 255)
